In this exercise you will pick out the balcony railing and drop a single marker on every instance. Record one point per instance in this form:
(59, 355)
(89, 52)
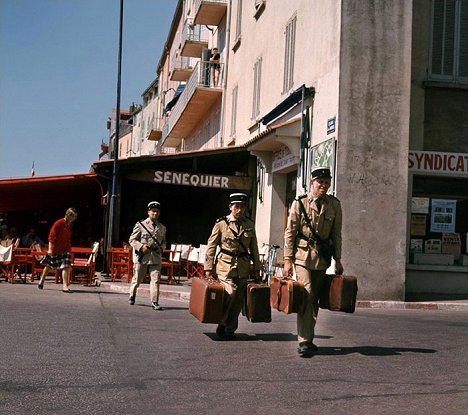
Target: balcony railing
(180, 69)
(200, 83)
(209, 12)
(194, 39)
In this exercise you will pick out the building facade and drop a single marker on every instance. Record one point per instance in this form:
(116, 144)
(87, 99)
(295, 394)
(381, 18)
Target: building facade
(375, 90)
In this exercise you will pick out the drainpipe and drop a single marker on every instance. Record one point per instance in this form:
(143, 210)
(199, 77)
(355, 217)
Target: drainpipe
(226, 68)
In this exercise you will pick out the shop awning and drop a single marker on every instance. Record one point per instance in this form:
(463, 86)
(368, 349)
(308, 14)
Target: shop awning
(45, 192)
(288, 103)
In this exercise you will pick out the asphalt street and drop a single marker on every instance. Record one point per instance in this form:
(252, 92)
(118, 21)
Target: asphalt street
(91, 353)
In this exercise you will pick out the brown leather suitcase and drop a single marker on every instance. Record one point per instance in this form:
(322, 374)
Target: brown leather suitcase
(286, 295)
(257, 307)
(206, 300)
(339, 293)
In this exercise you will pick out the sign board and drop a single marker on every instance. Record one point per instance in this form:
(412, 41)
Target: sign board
(433, 246)
(283, 159)
(443, 215)
(192, 179)
(418, 225)
(435, 162)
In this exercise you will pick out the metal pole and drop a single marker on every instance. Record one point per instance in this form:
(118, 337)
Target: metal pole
(115, 171)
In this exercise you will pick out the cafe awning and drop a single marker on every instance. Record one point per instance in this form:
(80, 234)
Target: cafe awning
(45, 192)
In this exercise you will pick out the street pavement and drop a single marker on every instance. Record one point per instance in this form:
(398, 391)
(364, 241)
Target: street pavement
(91, 353)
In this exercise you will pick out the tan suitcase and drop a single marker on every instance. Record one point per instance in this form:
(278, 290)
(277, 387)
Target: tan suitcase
(257, 303)
(286, 295)
(206, 300)
(339, 293)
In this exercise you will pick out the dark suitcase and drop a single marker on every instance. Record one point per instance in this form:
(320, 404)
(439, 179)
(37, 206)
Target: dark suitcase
(206, 300)
(286, 295)
(339, 293)
(257, 303)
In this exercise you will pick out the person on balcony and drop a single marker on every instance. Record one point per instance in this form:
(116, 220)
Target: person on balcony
(148, 241)
(215, 66)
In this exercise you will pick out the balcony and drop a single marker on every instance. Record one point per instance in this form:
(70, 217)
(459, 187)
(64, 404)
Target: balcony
(209, 12)
(193, 104)
(180, 69)
(194, 40)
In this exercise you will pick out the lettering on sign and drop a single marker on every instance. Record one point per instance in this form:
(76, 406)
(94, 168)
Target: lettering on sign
(187, 179)
(438, 162)
(192, 179)
(282, 159)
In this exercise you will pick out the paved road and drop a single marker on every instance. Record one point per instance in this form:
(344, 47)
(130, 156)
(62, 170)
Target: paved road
(91, 353)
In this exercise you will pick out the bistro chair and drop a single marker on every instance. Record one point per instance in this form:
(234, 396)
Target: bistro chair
(83, 264)
(21, 263)
(38, 253)
(121, 264)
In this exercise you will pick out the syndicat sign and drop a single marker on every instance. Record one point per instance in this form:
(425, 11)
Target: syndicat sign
(435, 162)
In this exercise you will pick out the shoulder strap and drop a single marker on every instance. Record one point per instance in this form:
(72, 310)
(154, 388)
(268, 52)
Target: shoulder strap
(150, 233)
(306, 217)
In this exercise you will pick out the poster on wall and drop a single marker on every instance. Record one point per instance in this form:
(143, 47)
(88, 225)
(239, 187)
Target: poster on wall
(443, 214)
(323, 155)
(418, 225)
(419, 205)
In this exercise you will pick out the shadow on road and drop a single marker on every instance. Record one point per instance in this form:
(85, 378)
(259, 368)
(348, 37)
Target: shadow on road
(370, 351)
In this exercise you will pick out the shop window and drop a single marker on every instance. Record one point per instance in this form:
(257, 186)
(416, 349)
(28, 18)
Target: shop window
(439, 221)
(449, 42)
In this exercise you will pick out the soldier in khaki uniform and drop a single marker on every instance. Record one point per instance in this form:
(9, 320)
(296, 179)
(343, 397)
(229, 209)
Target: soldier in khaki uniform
(148, 240)
(305, 250)
(235, 236)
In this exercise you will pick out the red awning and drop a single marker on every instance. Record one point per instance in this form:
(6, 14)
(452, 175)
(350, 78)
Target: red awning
(45, 192)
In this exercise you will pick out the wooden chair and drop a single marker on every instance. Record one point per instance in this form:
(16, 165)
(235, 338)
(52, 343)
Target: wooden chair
(83, 264)
(37, 254)
(168, 264)
(21, 262)
(191, 267)
(5, 261)
(121, 264)
(184, 251)
(201, 261)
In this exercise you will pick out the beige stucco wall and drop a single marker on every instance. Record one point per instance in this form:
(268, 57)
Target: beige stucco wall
(315, 65)
(373, 142)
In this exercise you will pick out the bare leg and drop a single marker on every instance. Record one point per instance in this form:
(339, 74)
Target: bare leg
(66, 278)
(44, 273)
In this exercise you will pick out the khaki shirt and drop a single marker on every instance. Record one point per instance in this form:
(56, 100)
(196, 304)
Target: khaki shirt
(223, 235)
(326, 224)
(140, 237)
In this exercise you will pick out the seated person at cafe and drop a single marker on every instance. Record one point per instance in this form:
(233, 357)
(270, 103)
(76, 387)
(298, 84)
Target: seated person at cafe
(31, 239)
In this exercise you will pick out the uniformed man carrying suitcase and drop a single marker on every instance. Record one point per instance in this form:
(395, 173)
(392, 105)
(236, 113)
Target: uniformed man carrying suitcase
(235, 236)
(312, 237)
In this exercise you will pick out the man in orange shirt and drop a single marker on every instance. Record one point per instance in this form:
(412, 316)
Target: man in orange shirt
(59, 252)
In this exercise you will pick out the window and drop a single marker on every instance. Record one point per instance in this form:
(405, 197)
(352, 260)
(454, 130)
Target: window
(289, 49)
(234, 111)
(449, 47)
(256, 89)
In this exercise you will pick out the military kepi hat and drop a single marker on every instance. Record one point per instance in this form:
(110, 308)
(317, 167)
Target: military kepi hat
(238, 198)
(154, 205)
(321, 173)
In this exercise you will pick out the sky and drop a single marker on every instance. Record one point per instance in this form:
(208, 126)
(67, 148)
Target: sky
(58, 77)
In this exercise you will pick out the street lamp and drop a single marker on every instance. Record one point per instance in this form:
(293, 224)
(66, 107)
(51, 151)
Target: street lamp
(115, 167)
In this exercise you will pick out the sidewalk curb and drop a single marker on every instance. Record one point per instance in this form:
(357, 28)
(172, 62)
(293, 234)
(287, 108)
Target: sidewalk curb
(182, 293)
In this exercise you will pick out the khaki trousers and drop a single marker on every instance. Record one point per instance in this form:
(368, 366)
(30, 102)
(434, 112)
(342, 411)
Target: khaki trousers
(155, 275)
(307, 318)
(234, 288)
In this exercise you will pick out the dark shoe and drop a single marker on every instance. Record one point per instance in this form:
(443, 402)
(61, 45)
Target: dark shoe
(221, 332)
(67, 291)
(306, 349)
(156, 306)
(40, 286)
(131, 300)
